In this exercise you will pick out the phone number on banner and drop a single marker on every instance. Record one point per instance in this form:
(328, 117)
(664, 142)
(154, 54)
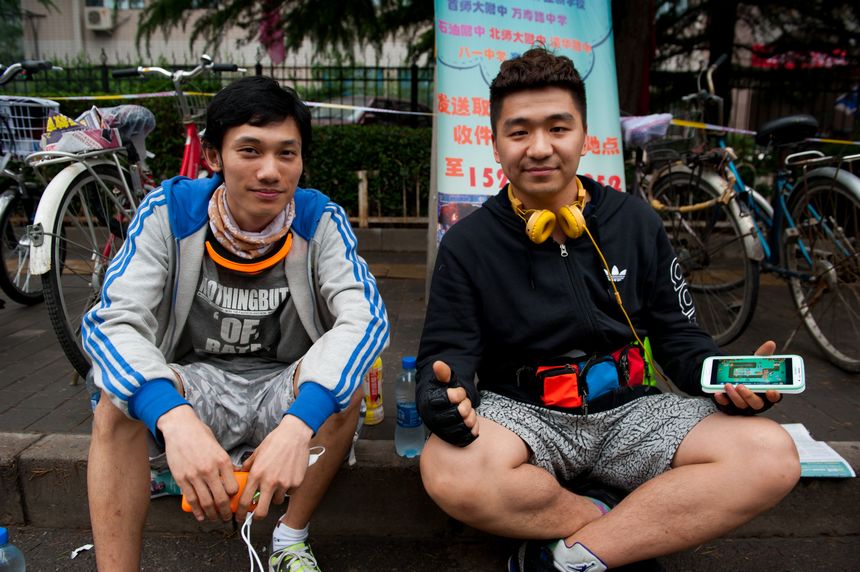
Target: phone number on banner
(494, 177)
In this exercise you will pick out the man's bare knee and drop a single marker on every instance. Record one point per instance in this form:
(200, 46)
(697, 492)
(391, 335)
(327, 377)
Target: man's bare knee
(447, 477)
(776, 460)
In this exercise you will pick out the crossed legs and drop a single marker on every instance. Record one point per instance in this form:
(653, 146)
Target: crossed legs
(726, 471)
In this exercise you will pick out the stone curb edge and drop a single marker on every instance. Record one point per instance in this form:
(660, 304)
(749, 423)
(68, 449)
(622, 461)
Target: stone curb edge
(43, 484)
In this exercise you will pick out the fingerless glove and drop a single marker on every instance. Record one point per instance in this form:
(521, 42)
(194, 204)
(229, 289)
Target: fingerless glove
(440, 415)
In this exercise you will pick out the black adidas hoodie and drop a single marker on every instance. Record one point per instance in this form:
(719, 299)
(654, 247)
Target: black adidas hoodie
(498, 301)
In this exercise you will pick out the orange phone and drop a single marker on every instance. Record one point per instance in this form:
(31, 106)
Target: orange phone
(241, 478)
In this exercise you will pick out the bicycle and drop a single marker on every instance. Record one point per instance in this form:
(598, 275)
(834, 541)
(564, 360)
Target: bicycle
(85, 212)
(191, 106)
(22, 121)
(725, 233)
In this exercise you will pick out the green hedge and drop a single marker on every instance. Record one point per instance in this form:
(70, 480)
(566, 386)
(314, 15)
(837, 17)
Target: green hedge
(398, 158)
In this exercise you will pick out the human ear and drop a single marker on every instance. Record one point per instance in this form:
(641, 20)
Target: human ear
(213, 158)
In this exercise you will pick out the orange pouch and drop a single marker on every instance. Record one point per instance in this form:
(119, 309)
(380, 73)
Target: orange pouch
(562, 385)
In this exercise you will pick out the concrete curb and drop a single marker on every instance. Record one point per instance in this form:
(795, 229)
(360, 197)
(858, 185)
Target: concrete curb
(43, 481)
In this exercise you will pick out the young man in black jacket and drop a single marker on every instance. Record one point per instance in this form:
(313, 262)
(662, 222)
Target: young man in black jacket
(529, 308)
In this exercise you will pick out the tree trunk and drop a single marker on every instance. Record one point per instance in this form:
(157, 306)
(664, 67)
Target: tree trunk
(722, 19)
(633, 28)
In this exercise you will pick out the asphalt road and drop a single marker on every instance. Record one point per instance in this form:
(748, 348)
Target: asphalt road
(48, 550)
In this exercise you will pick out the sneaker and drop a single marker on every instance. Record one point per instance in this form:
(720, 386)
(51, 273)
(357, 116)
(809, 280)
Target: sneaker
(294, 558)
(536, 556)
(532, 556)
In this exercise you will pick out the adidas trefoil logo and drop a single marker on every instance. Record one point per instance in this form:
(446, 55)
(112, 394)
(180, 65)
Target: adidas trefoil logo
(617, 275)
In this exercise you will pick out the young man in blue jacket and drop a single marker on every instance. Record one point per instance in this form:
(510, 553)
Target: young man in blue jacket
(530, 310)
(237, 316)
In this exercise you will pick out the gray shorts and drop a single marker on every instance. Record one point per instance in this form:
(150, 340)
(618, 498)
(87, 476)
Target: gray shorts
(241, 410)
(622, 447)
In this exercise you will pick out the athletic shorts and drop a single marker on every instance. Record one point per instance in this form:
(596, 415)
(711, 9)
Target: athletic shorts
(241, 410)
(622, 447)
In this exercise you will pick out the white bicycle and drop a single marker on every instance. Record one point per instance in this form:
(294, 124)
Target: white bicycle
(83, 216)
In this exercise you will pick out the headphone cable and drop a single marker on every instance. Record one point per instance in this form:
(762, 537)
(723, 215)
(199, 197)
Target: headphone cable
(645, 349)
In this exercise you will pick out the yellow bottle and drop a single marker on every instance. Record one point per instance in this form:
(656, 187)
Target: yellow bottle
(373, 394)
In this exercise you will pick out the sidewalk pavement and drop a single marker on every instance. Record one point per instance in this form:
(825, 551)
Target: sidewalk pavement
(380, 501)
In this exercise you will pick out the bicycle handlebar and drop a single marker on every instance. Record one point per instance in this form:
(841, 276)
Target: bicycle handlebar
(226, 68)
(29, 66)
(178, 76)
(709, 73)
(36, 65)
(125, 72)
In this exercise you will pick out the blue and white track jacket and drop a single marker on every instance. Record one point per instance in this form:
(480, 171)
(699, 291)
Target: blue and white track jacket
(148, 290)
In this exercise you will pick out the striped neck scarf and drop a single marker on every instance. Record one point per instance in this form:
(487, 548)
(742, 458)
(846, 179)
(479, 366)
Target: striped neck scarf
(240, 242)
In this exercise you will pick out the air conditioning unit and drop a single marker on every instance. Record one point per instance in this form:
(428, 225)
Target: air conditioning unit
(98, 19)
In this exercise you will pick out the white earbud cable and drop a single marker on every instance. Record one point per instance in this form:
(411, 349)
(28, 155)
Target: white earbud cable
(245, 531)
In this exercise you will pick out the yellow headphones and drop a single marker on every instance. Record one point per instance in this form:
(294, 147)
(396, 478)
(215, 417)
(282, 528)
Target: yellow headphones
(540, 223)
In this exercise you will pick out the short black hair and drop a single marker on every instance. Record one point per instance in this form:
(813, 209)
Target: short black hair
(258, 101)
(535, 69)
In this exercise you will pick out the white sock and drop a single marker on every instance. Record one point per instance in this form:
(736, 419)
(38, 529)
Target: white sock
(576, 557)
(284, 536)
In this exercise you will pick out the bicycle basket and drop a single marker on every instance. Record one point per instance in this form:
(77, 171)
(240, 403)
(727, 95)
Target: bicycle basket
(197, 103)
(679, 141)
(22, 122)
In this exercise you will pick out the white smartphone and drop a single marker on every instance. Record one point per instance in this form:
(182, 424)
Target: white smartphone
(759, 373)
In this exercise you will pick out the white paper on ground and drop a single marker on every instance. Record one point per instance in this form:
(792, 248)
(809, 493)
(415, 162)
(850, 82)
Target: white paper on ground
(80, 549)
(817, 458)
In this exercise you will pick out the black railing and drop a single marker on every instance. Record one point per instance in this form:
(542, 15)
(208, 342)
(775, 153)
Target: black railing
(761, 95)
(411, 84)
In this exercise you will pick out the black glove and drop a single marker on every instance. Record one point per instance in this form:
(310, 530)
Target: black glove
(732, 409)
(440, 415)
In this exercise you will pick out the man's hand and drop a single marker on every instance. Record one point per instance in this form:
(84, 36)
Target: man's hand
(277, 466)
(742, 398)
(199, 464)
(446, 408)
(457, 396)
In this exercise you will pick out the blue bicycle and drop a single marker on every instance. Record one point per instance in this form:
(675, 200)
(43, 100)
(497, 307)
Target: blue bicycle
(725, 233)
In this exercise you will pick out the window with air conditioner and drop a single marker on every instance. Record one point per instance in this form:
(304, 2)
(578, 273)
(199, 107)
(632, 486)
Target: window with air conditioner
(116, 4)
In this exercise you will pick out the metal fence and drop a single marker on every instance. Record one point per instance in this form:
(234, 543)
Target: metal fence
(412, 84)
(762, 95)
(757, 95)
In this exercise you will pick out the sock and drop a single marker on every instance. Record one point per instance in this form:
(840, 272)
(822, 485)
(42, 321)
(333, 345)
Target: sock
(576, 558)
(284, 536)
(604, 508)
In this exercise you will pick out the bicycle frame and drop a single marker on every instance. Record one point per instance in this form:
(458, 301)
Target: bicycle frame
(192, 158)
(777, 220)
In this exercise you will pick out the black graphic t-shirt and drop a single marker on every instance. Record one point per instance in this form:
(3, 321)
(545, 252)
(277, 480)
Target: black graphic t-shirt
(238, 313)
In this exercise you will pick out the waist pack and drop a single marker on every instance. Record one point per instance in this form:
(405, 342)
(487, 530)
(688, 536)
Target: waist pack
(566, 382)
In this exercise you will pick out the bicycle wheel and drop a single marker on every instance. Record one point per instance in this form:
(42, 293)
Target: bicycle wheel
(88, 230)
(16, 280)
(823, 252)
(709, 245)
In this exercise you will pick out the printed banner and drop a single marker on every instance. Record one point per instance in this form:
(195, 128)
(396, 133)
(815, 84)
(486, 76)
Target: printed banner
(472, 40)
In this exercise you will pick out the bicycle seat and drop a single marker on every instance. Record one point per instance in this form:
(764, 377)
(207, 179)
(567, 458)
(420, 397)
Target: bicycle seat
(787, 130)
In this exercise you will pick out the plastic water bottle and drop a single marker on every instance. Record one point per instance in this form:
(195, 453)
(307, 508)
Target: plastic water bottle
(409, 433)
(11, 559)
